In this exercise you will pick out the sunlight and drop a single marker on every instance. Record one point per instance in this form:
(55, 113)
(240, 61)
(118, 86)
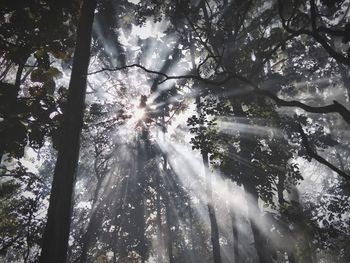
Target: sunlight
(188, 166)
(249, 129)
(170, 132)
(138, 113)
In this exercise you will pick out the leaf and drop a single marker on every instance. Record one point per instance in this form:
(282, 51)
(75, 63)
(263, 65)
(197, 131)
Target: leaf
(36, 136)
(39, 53)
(38, 75)
(50, 86)
(54, 73)
(37, 91)
(42, 58)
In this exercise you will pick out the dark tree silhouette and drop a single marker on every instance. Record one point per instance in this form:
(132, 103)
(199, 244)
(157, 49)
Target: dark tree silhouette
(55, 239)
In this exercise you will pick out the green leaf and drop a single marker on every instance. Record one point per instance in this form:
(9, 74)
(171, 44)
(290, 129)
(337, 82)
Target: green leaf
(38, 75)
(50, 86)
(54, 73)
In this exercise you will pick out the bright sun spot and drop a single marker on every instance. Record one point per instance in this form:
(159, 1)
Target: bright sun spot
(138, 113)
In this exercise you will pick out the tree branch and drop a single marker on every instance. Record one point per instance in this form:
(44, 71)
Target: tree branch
(319, 158)
(315, 33)
(336, 107)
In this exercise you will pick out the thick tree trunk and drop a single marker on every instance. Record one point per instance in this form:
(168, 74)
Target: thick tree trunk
(214, 234)
(55, 239)
(211, 210)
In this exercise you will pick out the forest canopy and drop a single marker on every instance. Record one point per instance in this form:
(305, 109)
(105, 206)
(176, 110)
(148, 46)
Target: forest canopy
(175, 131)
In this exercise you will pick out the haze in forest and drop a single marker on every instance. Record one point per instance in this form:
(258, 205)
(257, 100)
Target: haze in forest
(175, 131)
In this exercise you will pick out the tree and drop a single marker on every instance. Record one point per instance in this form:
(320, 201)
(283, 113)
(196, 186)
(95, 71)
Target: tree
(262, 85)
(55, 239)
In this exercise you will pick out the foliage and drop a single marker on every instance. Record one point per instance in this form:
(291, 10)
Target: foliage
(230, 66)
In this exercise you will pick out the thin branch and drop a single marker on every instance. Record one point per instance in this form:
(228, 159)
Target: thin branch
(317, 157)
(174, 112)
(315, 34)
(273, 51)
(6, 70)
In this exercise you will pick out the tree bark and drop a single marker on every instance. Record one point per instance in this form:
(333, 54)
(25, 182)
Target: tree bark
(16, 87)
(306, 251)
(346, 78)
(138, 198)
(169, 232)
(193, 239)
(159, 220)
(55, 239)
(211, 210)
(19, 76)
(259, 239)
(94, 223)
(7, 67)
(250, 187)
(234, 236)
(212, 216)
(290, 249)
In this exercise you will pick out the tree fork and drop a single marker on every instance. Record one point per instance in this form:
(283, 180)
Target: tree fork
(55, 239)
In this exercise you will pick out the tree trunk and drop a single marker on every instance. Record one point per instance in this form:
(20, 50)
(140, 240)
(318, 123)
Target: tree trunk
(55, 239)
(7, 67)
(346, 78)
(93, 226)
(211, 210)
(138, 198)
(169, 233)
(193, 240)
(259, 239)
(19, 76)
(159, 220)
(17, 87)
(306, 251)
(234, 236)
(290, 249)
